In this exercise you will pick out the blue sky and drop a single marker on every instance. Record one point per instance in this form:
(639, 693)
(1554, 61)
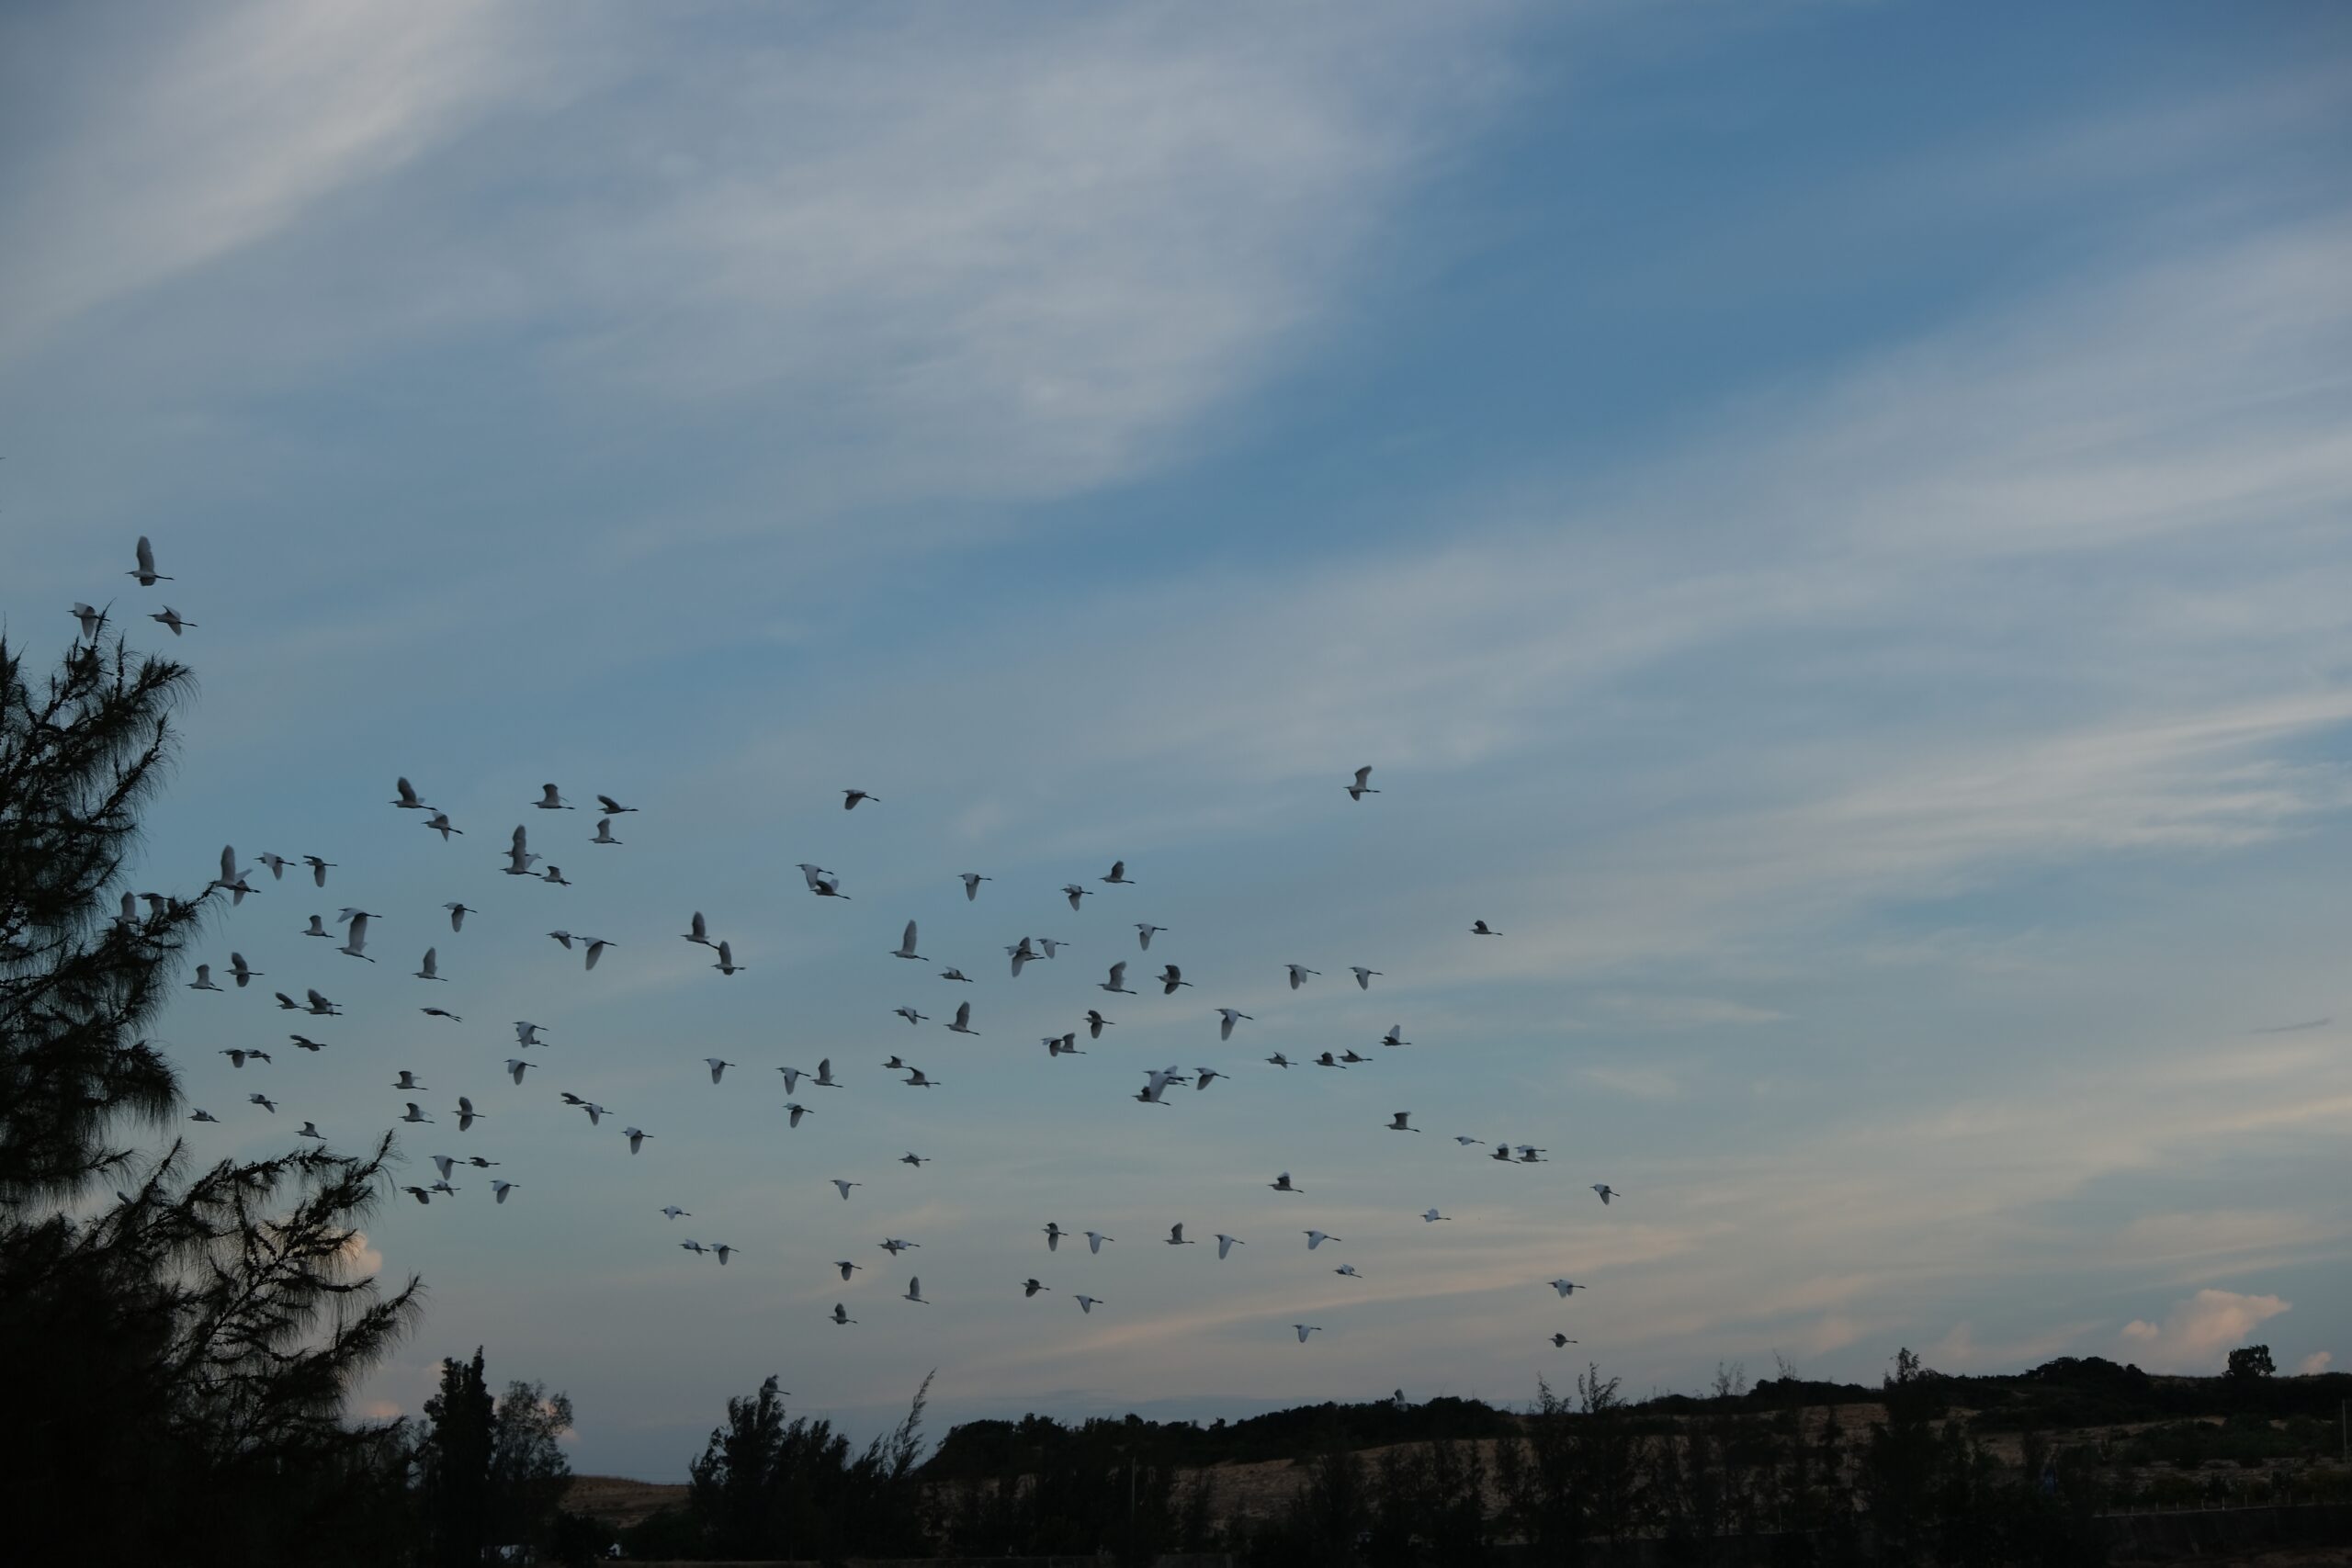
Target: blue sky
(1830, 522)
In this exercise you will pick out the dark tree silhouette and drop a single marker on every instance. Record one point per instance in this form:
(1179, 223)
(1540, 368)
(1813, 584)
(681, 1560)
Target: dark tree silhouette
(184, 1352)
(2248, 1361)
(768, 1487)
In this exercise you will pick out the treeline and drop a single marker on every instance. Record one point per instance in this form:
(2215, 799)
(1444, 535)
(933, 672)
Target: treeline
(1768, 1474)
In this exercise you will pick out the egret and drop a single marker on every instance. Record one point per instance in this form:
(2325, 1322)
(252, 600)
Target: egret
(719, 1065)
(1567, 1287)
(1396, 1035)
(407, 1080)
(355, 939)
(1176, 1235)
(1606, 1191)
(203, 981)
(596, 945)
(1229, 1017)
(613, 808)
(421, 1195)
(906, 948)
(1117, 984)
(1431, 1216)
(549, 800)
(604, 832)
(431, 968)
(636, 1136)
(962, 1024)
(1020, 953)
(1298, 974)
(1364, 976)
(1529, 1155)
(1144, 933)
(1306, 1328)
(797, 1111)
(457, 913)
(304, 1042)
(1348, 1270)
(311, 1129)
(441, 1012)
(205, 1116)
(414, 1114)
(319, 869)
(912, 1016)
(727, 965)
(555, 874)
(690, 1245)
(1054, 1234)
(1466, 1142)
(146, 574)
(1480, 928)
(1226, 1244)
(527, 1032)
(467, 1114)
(1094, 1240)
(1171, 977)
(698, 931)
(501, 1188)
(916, 1079)
(1204, 1077)
(1562, 1339)
(1396, 1122)
(724, 1250)
(1282, 1184)
(1327, 1060)
(845, 1186)
(1359, 789)
(264, 1101)
(1073, 892)
(1030, 1288)
(1279, 1060)
(824, 1079)
(92, 621)
(894, 1246)
(1086, 1303)
(406, 797)
(972, 880)
(171, 619)
(955, 974)
(439, 822)
(1118, 877)
(1317, 1239)
(672, 1212)
(850, 797)
(444, 1164)
(238, 1055)
(847, 1267)
(516, 1068)
(841, 1313)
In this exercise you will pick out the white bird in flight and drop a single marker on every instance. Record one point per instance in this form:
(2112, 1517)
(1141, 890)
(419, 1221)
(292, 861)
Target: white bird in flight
(1117, 984)
(1230, 1015)
(406, 796)
(1567, 1287)
(467, 1114)
(613, 808)
(1094, 1240)
(516, 1068)
(841, 1313)
(1480, 928)
(1073, 892)
(319, 928)
(439, 823)
(203, 981)
(850, 797)
(1144, 933)
(845, 1186)
(1282, 1184)
(1298, 974)
(457, 913)
(527, 1033)
(1359, 789)
(636, 1136)
(1364, 976)
(1317, 1239)
(824, 1079)
(549, 800)
(318, 869)
(962, 1024)
(1396, 1122)
(1054, 1234)
(1306, 1328)
(146, 574)
(1226, 1244)
(1176, 1235)
(906, 948)
(972, 880)
(1118, 877)
(431, 968)
(501, 1188)
(407, 1080)
(1606, 1191)
(696, 931)
(171, 619)
(1096, 1023)
(1430, 1216)
(795, 1109)
(604, 832)
(1087, 1303)
(414, 1114)
(718, 1065)
(727, 965)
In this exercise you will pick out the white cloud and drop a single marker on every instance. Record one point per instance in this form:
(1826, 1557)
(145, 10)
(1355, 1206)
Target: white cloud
(2313, 1365)
(2200, 1331)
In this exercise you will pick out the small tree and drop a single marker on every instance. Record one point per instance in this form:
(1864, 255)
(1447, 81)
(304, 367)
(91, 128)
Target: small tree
(2248, 1362)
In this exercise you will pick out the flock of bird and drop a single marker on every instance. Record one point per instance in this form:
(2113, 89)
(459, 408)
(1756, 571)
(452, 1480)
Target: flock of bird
(351, 925)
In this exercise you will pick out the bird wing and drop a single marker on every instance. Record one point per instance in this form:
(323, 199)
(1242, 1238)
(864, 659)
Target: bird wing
(908, 942)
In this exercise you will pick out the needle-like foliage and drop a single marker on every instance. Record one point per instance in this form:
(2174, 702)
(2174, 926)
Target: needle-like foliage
(181, 1355)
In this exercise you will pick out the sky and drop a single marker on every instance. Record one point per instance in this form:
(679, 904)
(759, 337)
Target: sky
(1829, 521)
